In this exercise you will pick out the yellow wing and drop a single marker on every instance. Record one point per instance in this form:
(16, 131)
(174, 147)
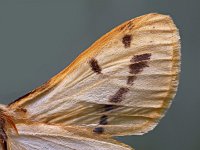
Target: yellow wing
(121, 85)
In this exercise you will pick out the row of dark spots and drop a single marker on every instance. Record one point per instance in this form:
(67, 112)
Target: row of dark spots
(137, 67)
(102, 121)
(138, 63)
(142, 57)
(131, 79)
(108, 107)
(119, 95)
(126, 40)
(116, 98)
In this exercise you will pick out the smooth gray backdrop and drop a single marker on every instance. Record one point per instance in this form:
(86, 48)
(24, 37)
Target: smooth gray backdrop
(38, 38)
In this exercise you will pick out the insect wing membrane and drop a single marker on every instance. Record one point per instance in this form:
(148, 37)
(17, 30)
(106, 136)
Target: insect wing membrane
(49, 137)
(121, 85)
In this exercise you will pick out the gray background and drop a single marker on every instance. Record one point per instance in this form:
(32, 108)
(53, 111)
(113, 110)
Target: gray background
(38, 38)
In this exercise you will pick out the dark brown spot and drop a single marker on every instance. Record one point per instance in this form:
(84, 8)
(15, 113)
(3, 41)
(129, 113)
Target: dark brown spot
(119, 95)
(131, 79)
(108, 107)
(98, 130)
(142, 57)
(126, 40)
(95, 66)
(103, 120)
(138, 67)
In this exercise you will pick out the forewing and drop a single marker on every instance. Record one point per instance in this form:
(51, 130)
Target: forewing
(121, 85)
(49, 137)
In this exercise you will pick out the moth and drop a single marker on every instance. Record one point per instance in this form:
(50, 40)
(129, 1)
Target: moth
(121, 85)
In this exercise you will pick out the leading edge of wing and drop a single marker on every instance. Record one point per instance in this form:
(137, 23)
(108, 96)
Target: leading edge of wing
(94, 49)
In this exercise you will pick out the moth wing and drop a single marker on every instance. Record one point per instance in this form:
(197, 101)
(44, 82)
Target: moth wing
(50, 137)
(121, 85)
